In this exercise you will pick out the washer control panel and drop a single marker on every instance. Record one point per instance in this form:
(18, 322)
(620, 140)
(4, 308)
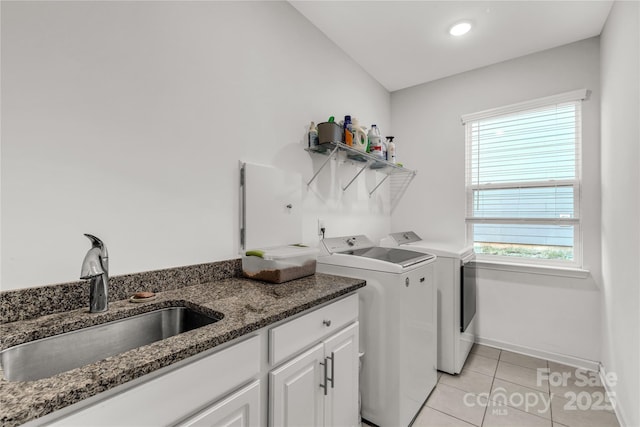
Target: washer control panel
(346, 243)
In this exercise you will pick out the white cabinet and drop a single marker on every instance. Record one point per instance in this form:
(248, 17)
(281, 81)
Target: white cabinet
(294, 393)
(320, 386)
(241, 409)
(169, 398)
(310, 363)
(341, 402)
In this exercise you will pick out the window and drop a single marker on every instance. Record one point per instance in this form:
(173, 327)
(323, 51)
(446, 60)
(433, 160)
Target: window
(523, 181)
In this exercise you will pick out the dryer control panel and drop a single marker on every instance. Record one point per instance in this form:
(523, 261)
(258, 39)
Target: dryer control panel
(404, 237)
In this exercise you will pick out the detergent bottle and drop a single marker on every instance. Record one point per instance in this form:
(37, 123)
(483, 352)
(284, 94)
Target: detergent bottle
(375, 142)
(359, 136)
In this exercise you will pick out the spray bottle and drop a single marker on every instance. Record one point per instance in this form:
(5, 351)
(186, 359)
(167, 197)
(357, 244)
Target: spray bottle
(391, 149)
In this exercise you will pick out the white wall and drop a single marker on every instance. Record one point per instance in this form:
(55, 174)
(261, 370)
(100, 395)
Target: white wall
(555, 315)
(127, 120)
(620, 71)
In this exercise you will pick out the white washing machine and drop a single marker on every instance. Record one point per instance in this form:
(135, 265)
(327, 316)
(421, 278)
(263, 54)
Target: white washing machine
(455, 276)
(398, 329)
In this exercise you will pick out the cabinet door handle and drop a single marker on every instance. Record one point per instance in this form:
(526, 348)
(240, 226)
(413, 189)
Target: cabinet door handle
(333, 364)
(324, 385)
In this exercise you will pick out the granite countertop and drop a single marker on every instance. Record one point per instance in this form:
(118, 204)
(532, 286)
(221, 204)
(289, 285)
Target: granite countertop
(246, 305)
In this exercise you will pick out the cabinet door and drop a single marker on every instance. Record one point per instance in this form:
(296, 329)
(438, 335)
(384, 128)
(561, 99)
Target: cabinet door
(341, 403)
(241, 409)
(295, 395)
(272, 204)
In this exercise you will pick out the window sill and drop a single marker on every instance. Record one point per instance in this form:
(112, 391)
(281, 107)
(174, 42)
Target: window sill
(534, 269)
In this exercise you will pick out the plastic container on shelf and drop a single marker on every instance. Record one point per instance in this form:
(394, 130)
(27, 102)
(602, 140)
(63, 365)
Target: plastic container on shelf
(279, 264)
(329, 133)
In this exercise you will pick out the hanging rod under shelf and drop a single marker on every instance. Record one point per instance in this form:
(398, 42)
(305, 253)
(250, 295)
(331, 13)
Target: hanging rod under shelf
(333, 152)
(370, 162)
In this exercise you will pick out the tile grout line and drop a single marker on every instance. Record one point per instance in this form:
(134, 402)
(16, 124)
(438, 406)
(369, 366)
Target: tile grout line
(525, 412)
(452, 416)
(551, 421)
(546, 362)
(520, 366)
(487, 357)
(550, 395)
(425, 405)
(467, 391)
(459, 389)
(524, 386)
(493, 379)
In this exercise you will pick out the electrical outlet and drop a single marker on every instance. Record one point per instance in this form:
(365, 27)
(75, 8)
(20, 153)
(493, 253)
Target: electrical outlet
(321, 227)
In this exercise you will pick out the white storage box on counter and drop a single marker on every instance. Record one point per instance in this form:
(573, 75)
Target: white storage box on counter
(279, 264)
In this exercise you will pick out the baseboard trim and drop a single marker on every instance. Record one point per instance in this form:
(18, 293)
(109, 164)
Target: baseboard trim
(610, 392)
(541, 354)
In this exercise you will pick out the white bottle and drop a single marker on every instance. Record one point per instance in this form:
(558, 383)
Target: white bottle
(375, 142)
(391, 149)
(313, 136)
(359, 135)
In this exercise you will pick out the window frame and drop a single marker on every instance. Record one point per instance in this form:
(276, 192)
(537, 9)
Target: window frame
(575, 97)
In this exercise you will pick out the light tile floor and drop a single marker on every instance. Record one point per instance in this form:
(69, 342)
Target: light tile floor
(500, 388)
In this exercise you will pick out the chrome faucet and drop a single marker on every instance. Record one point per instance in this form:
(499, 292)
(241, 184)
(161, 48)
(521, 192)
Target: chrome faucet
(95, 267)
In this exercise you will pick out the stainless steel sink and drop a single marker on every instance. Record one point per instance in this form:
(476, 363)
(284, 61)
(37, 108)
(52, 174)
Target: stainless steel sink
(50, 356)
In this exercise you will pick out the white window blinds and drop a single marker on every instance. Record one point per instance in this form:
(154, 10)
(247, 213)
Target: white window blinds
(523, 180)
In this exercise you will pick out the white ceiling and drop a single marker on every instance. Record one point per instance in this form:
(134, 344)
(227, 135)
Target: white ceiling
(404, 43)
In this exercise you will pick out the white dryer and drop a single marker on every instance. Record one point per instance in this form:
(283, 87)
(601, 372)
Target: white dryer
(398, 330)
(455, 276)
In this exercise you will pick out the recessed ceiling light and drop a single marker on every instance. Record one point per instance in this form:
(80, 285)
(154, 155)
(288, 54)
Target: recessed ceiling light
(459, 29)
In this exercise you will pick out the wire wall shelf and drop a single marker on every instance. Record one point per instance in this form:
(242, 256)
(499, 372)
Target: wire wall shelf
(400, 177)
